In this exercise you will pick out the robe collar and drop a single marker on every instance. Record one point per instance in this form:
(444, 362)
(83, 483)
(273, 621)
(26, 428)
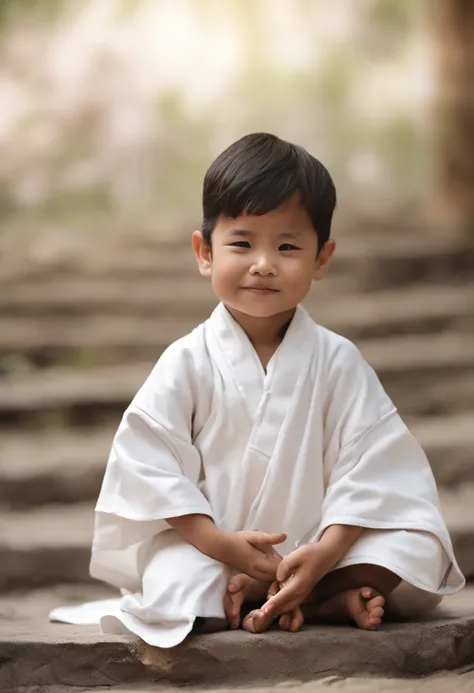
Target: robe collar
(242, 359)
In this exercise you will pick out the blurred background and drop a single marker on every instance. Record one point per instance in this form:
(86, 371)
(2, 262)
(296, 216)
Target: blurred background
(111, 111)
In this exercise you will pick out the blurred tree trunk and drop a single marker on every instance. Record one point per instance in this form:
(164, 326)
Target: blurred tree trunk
(453, 27)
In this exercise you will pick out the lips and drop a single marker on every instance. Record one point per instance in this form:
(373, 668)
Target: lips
(261, 289)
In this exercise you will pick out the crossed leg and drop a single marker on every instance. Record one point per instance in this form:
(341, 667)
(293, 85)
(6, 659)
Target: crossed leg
(354, 594)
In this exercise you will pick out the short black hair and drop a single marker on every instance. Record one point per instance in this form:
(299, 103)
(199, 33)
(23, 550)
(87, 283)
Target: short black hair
(260, 172)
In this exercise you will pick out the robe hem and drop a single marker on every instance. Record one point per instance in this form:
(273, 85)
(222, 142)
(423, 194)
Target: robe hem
(178, 512)
(401, 572)
(142, 632)
(408, 526)
(372, 524)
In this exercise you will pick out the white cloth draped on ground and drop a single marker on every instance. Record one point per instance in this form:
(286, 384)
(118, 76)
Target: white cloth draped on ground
(311, 442)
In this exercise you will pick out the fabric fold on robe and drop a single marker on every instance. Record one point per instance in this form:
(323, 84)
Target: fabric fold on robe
(312, 442)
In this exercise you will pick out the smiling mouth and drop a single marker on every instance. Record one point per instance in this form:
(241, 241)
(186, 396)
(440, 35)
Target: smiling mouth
(261, 289)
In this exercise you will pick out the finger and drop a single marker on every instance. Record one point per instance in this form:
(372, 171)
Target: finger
(265, 572)
(278, 538)
(267, 540)
(286, 567)
(286, 600)
(273, 589)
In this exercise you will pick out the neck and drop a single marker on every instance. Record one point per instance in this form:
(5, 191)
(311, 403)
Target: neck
(264, 333)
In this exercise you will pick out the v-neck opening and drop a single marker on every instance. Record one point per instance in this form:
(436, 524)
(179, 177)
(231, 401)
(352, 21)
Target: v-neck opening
(239, 357)
(238, 326)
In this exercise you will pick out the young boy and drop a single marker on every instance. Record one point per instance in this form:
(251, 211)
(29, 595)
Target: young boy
(262, 460)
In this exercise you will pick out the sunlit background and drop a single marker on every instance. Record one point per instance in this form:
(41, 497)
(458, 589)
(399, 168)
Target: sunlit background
(111, 111)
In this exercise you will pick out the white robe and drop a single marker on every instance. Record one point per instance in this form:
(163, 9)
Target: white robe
(312, 442)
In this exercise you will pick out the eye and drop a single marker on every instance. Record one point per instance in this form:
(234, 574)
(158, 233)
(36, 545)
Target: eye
(288, 246)
(240, 244)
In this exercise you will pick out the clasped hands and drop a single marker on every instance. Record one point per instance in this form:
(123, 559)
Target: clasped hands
(293, 577)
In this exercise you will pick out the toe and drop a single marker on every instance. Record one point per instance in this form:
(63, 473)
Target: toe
(297, 621)
(227, 604)
(262, 621)
(234, 598)
(236, 583)
(285, 621)
(373, 622)
(232, 610)
(376, 602)
(256, 622)
(377, 612)
(358, 608)
(248, 623)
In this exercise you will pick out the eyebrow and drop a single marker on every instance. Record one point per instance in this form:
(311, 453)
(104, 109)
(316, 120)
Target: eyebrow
(246, 233)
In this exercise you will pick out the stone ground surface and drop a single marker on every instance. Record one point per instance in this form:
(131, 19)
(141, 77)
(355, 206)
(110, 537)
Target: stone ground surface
(36, 653)
(463, 682)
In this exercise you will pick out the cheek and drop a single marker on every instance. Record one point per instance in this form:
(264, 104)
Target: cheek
(301, 273)
(226, 270)
(228, 264)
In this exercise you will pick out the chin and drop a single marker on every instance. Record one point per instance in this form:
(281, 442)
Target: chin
(256, 311)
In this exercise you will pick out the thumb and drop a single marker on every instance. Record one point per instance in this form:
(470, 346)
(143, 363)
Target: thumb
(285, 569)
(276, 538)
(264, 542)
(268, 539)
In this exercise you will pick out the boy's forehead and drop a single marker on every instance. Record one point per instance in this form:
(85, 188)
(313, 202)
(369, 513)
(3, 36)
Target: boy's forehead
(286, 218)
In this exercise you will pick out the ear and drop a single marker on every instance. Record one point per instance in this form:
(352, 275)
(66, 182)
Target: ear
(203, 254)
(323, 260)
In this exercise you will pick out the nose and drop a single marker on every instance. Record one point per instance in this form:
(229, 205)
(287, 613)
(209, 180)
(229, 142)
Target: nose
(264, 264)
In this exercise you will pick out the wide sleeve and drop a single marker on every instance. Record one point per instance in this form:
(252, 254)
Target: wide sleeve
(153, 471)
(376, 474)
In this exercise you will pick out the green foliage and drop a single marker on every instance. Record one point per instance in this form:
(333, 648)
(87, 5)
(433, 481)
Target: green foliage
(82, 359)
(14, 10)
(312, 102)
(15, 364)
(8, 205)
(127, 8)
(333, 81)
(394, 14)
(80, 202)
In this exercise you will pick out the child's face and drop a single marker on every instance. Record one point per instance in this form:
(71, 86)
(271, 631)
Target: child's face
(264, 265)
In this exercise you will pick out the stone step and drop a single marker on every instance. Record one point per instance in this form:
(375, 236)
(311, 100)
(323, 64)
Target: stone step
(379, 258)
(59, 466)
(45, 546)
(132, 328)
(449, 444)
(86, 296)
(35, 653)
(51, 544)
(424, 376)
(68, 466)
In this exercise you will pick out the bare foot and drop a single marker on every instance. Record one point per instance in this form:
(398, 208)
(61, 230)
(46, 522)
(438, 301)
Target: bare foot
(258, 622)
(365, 606)
(292, 621)
(242, 588)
